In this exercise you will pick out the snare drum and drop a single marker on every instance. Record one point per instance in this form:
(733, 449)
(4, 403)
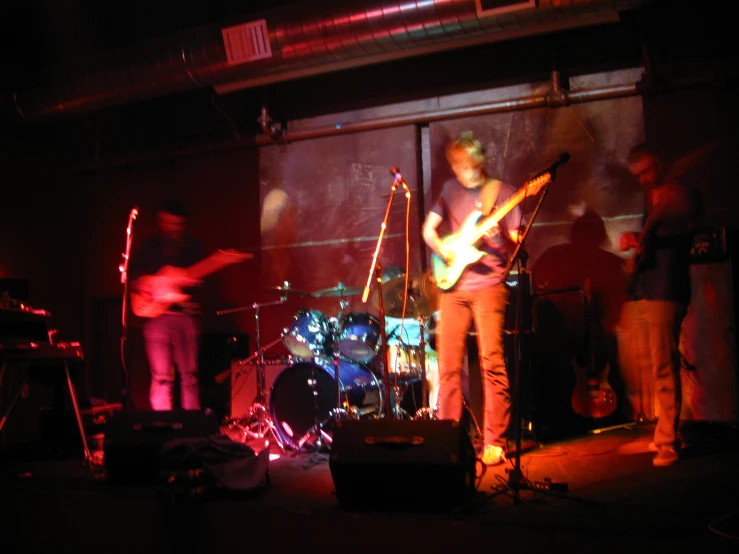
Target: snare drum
(359, 336)
(309, 336)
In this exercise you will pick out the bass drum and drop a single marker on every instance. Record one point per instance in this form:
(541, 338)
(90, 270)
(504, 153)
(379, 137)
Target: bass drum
(292, 402)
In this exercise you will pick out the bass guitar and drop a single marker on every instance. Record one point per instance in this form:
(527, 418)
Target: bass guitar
(155, 294)
(593, 396)
(463, 243)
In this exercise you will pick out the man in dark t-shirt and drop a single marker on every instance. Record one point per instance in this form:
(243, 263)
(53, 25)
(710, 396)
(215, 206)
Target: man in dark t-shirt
(478, 293)
(659, 287)
(168, 299)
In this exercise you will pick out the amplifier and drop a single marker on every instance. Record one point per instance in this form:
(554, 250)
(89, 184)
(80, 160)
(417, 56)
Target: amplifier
(708, 245)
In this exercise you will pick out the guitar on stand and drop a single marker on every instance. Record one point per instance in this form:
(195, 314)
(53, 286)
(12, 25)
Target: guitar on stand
(593, 396)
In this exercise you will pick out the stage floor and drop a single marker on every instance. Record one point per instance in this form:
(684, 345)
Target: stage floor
(616, 501)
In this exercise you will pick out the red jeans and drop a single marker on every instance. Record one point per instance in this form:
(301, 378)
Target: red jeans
(487, 308)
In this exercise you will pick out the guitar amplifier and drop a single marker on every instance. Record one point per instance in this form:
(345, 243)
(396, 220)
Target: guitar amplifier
(708, 245)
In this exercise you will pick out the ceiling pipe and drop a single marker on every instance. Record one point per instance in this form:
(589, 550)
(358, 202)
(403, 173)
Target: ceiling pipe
(303, 39)
(341, 128)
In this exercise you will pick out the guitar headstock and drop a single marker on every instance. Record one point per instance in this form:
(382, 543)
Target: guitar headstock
(536, 184)
(234, 255)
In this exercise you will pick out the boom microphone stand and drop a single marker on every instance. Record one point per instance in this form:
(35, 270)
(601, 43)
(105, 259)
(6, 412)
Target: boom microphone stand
(376, 270)
(516, 480)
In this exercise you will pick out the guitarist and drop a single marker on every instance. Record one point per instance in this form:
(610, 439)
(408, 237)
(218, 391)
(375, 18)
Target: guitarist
(171, 339)
(659, 286)
(479, 295)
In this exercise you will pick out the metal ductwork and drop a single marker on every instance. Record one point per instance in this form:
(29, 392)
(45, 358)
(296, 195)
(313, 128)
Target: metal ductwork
(302, 40)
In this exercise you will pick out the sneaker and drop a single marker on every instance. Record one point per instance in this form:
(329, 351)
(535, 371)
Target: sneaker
(666, 456)
(492, 455)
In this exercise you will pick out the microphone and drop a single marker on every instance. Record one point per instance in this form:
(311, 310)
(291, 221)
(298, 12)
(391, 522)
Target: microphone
(395, 172)
(564, 157)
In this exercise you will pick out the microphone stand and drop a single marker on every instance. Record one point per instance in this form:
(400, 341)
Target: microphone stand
(516, 479)
(376, 270)
(123, 268)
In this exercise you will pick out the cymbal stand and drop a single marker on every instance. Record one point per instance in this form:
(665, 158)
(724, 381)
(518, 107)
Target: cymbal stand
(338, 413)
(257, 422)
(424, 412)
(321, 438)
(517, 481)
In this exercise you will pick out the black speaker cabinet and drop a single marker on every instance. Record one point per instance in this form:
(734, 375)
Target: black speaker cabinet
(402, 465)
(134, 438)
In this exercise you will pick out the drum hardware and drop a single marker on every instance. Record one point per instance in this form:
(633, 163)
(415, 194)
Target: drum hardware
(423, 293)
(258, 423)
(302, 402)
(424, 412)
(422, 286)
(339, 290)
(320, 437)
(286, 290)
(309, 336)
(338, 413)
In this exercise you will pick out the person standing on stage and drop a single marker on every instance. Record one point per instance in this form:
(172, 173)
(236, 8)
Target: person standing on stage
(171, 338)
(659, 287)
(479, 295)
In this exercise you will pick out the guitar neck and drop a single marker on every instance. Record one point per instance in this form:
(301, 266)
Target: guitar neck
(516, 198)
(209, 265)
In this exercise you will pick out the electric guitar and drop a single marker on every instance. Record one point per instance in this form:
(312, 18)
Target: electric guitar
(155, 294)
(462, 243)
(593, 396)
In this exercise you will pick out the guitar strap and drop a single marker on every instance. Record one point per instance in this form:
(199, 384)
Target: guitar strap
(489, 195)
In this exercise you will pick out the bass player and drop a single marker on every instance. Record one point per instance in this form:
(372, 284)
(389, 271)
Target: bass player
(479, 294)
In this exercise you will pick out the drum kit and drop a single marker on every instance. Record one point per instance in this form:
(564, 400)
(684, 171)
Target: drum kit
(336, 364)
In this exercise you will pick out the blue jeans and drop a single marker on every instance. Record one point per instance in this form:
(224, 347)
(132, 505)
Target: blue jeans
(172, 341)
(487, 308)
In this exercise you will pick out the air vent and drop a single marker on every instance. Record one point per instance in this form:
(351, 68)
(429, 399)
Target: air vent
(497, 7)
(247, 42)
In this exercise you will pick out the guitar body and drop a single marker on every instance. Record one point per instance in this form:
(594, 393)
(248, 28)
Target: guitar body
(153, 295)
(462, 243)
(157, 293)
(593, 396)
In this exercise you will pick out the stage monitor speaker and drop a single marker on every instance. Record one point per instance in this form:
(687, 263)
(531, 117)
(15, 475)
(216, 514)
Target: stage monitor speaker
(402, 465)
(134, 438)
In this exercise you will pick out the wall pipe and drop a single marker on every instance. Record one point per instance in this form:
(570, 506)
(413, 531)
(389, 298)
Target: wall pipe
(342, 128)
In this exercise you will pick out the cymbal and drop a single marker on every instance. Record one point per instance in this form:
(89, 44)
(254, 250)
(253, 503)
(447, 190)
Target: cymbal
(423, 297)
(288, 291)
(338, 290)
